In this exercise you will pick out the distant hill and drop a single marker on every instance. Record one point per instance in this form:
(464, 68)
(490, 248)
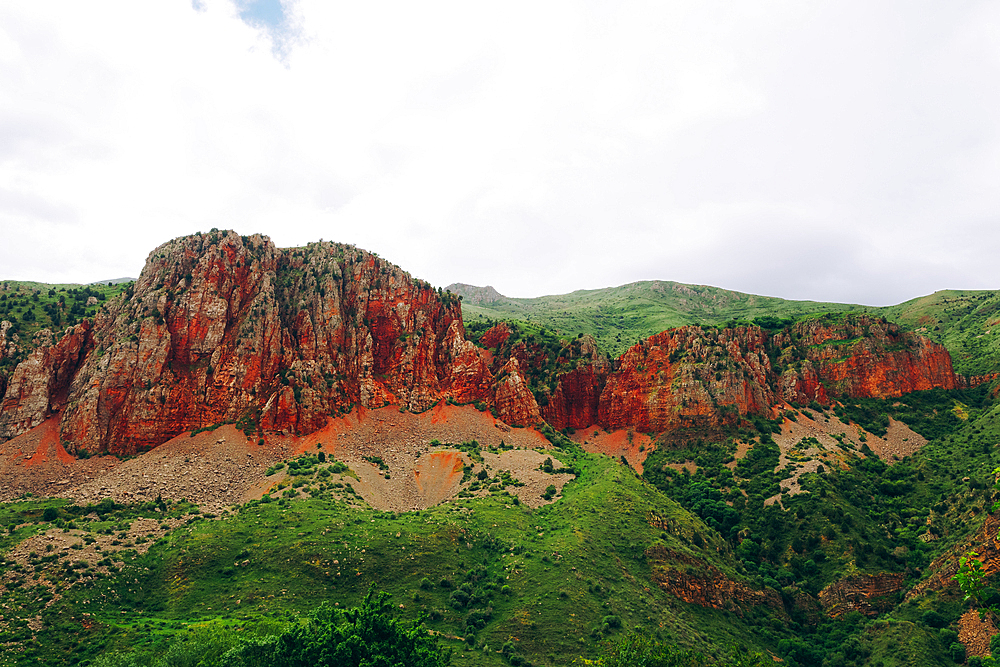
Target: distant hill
(618, 317)
(113, 281)
(967, 322)
(477, 295)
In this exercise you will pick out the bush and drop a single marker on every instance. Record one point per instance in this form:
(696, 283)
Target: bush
(635, 650)
(478, 618)
(612, 621)
(459, 598)
(957, 652)
(933, 619)
(367, 635)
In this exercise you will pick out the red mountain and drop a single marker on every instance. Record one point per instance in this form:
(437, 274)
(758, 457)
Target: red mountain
(226, 327)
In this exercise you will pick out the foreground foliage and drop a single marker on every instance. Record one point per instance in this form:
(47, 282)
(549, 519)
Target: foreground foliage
(636, 650)
(365, 636)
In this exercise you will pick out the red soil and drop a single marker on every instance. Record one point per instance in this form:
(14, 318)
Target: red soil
(632, 445)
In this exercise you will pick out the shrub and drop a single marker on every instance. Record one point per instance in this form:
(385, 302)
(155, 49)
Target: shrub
(957, 652)
(459, 598)
(933, 619)
(478, 618)
(368, 635)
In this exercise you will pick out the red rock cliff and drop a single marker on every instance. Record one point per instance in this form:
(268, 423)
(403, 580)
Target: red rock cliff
(227, 327)
(223, 327)
(864, 356)
(705, 377)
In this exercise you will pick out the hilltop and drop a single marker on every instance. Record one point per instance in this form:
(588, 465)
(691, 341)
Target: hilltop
(618, 317)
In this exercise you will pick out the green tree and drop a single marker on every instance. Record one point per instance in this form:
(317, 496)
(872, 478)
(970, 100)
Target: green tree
(366, 636)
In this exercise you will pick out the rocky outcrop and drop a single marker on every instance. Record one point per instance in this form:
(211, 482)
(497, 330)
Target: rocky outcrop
(495, 336)
(221, 327)
(513, 401)
(695, 377)
(689, 377)
(985, 542)
(40, 383)
(864, 356)
(697, 582)
(870, 594)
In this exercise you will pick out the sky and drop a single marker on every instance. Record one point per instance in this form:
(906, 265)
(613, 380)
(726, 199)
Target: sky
(834, 151)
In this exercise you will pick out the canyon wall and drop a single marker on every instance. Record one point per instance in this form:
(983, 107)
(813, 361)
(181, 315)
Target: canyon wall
(223, 327)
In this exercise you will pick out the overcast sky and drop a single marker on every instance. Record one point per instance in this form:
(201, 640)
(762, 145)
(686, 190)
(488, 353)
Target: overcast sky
(842, 151)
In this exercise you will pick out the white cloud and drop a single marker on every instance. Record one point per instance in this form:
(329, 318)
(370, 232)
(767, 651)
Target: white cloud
(826, 150)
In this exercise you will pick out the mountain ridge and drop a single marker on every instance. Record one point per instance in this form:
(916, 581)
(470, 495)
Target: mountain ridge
(223, 327)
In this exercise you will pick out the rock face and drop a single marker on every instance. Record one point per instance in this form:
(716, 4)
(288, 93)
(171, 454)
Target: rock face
(870, 594)
(862, 356)
(221, 327)
(689, 377)
(697, 582)
(694, 377)
(40, 383)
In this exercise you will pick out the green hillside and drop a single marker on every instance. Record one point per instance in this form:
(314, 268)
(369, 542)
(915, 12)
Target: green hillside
(967, 322)
(618, 317)
(550, 584)
(502, 584)
(606, 567)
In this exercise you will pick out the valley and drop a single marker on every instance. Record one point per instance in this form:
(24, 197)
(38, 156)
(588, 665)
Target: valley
(206, 455)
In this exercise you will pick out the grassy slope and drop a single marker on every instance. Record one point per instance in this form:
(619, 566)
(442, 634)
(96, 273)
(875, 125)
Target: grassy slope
(964, 321)
(870, 518)
(618, 317)
(967, 322)
(34, 306)
(569, 566)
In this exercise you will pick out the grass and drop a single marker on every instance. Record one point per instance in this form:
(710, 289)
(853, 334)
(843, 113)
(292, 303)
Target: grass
(618, 317)
(547, 579)
(553, 582)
